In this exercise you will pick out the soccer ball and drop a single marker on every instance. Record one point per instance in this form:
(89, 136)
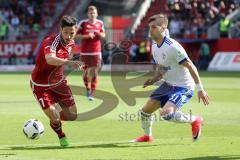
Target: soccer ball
(33, 129)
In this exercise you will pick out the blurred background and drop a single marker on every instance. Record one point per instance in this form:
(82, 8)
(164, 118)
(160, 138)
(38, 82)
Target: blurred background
(208, 29)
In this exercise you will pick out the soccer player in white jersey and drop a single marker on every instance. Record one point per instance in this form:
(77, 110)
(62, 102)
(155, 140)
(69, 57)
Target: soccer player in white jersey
(179, 77)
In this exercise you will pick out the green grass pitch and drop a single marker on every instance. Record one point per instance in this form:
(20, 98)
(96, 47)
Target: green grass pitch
(106, 137)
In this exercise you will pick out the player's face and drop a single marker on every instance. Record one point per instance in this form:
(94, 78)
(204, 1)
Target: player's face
(155, 30)
(92, 14)
(68, 33)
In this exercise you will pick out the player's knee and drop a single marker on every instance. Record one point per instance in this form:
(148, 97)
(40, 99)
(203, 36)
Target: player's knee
(73, 117)
(145, 110)
(55, 121)
(52, 114)
(70, 117)
(168, 116)
(166, 111)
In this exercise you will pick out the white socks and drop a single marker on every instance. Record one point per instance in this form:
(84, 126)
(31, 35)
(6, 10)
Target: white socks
(147, 121)
(178, 116)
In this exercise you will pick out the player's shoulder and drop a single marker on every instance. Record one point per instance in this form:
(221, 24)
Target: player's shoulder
(99, 21)
(166, 44)
(82, 22)
(53, 39)
(169, 41)
(174, 44)
(176, 47)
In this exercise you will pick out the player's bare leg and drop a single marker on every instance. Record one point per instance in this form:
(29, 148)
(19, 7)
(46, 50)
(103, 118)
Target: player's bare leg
(147, 120)
(56, 124)
(69, 113)
(170, 113)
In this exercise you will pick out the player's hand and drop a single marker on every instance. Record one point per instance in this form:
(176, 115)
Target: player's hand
(91, 35)
(98, 34)
(148, 82)
(202, 95)
(76, 64)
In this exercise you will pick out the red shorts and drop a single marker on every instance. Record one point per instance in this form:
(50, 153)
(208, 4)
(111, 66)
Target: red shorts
(48, 96)
(91, 60)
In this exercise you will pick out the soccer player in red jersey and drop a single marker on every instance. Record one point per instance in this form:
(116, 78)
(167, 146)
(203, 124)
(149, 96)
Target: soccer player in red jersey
(48, 82)
(90, 31)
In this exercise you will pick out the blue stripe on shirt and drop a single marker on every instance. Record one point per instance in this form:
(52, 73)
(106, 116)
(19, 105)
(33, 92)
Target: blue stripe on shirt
(162, 42)
(182, 61)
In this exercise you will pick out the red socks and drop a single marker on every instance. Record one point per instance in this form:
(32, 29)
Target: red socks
(86, 82)
(57, 129)
(94, 83)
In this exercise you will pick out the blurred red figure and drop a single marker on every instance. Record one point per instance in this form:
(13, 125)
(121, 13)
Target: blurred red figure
(90, 31)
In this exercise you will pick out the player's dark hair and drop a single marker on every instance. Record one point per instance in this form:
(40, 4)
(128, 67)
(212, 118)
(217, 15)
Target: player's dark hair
(68, 21)
(92, 7)
(160, 18)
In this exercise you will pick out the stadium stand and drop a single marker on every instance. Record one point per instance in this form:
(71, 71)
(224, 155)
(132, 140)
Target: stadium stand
(195, 23)
(188, 19)
(26, 18)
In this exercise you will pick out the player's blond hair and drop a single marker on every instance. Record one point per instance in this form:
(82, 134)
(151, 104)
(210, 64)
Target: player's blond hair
(161, 19)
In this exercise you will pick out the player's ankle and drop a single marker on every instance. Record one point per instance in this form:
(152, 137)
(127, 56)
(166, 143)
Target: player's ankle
(61, 135)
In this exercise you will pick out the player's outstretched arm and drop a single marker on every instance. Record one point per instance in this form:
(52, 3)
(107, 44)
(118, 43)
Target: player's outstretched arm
(202, 95)
(55, 61)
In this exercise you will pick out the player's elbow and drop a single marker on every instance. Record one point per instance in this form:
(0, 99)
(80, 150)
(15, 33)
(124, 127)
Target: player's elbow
(188, 64)
(49, 60)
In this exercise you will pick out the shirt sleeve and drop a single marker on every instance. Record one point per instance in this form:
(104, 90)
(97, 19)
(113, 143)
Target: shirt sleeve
(102, 27)
(50, 46)
(180, 54)
(80, 27)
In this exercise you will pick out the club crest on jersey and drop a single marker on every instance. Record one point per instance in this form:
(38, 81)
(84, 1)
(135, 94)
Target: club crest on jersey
(60, 51)
(180, 54)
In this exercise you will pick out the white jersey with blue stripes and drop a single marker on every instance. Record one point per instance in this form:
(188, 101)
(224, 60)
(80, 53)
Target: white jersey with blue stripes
(169, 56)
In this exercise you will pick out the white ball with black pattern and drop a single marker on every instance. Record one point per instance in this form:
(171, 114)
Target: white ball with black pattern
(33, 129)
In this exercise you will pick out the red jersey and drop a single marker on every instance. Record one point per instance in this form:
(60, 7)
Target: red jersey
(90, 46)
(44, 74)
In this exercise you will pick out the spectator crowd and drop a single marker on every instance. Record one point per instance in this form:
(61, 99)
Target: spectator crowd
(23, 19)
